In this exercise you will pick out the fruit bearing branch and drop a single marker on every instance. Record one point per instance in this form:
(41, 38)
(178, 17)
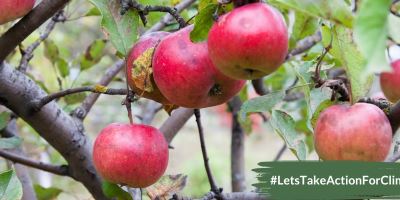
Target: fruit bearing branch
(62, 170)
(38, 104)
(145, 9)
(213, 186)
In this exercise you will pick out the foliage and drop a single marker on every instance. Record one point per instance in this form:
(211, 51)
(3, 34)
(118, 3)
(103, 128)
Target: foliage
(10, 186)
(78, 52)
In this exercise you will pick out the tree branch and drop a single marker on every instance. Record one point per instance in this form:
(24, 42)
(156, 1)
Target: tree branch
(61, 131)
(145, 9)
(210, 177)
(167, 18)
(238, 177)
(38, 104)
(16, 34)
(280, 152)
(27, 54)
(305, 44)
(59, 170)
(87, 104)
(175, 122)
(149, 111)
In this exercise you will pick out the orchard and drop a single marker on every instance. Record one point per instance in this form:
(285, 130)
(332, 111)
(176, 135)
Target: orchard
(181, 99)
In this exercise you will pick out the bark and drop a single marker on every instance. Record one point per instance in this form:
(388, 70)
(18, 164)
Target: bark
(237, 149)
(60, 130)
(175, 122)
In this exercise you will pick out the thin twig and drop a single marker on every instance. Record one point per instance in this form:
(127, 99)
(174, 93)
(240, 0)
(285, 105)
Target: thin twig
(38, 104)
(305, 44)
(280, 152)
(317, 75)
(145, 9)
(82, 111)
(210, 177)
(167, 18)
(27, 54)
(61, 170)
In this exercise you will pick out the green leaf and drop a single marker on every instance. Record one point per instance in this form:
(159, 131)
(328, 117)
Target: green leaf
(203, 22)
(205, 3)
(93, 12)
(4, 118)
(51, 51)
(281, 78)
(43, 193)
(321, 107)
(304, 25)
(10, 143)
(63, 67)
(112, 190)
(370, 34)
(394, 28)
(304, 76)
(93, 54)
(334, 10)
(284, 125)
(260, 104)
(345, 50)
(122, 29)
(10, 186)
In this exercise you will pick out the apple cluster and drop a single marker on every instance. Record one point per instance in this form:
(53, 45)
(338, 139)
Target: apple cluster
(13, 9)
(240, 47)
(171, 69)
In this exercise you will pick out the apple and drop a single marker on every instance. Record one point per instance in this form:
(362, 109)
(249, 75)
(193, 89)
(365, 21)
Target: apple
(390, 82)
(130, 154)
(146, 42)
(249, 42)
(186, 76)
(359, 132)
(13, 9)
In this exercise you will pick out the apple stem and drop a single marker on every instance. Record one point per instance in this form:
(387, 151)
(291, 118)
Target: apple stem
(213, 186)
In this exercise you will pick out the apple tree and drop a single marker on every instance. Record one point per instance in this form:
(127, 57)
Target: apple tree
(324, 74)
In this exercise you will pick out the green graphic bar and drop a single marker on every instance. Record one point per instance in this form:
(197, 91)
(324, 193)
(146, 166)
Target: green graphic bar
(328, 180)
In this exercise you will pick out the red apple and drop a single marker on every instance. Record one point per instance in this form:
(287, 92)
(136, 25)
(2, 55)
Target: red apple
(186, 76)
(249, 42)
(358, 132)
(144, 43)
(130, 154)
(13, 9)
(390, 82)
